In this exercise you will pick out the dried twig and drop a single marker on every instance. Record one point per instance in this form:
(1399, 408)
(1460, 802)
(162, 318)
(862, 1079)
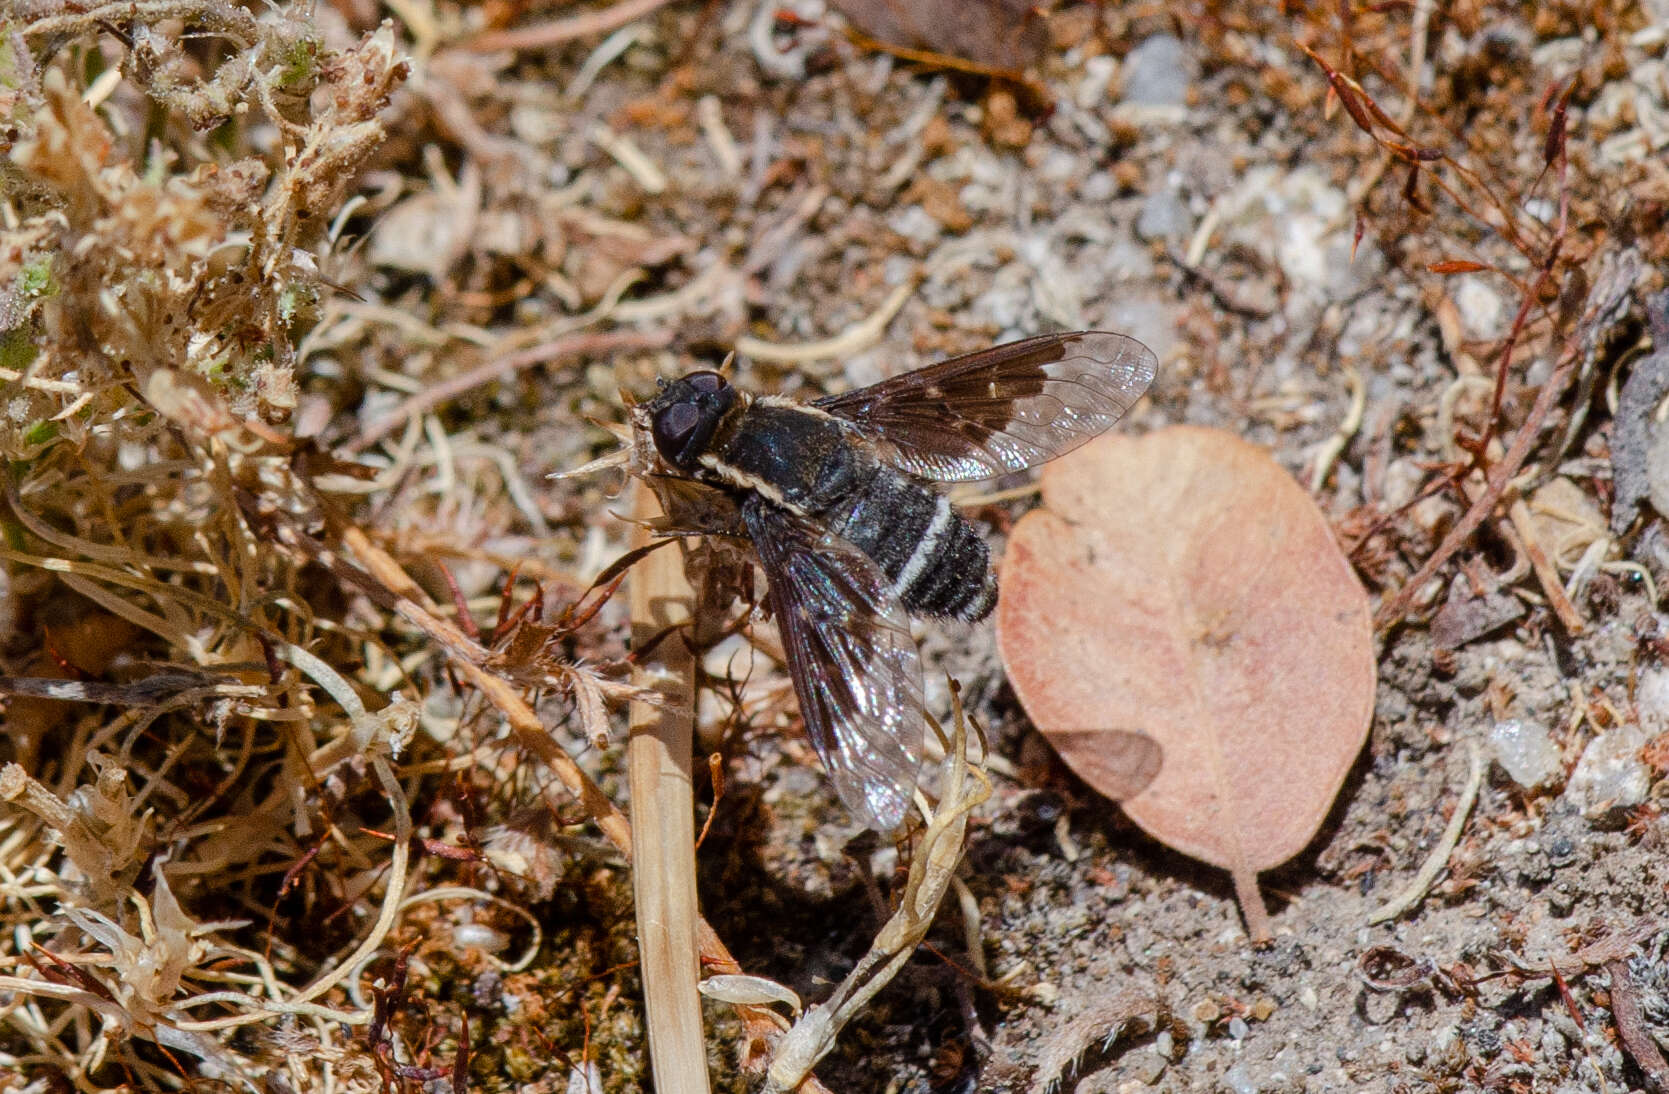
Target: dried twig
(663, 826)
(1631, 1027)
(1501, 475)
(1610, 948)
(1445, 847)
(575, 345)
(558, 31)
(854, 339)
(1547, 574)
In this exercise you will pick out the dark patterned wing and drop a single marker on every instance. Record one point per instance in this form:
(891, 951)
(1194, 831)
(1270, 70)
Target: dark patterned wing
(1002, 409)
(854, 665)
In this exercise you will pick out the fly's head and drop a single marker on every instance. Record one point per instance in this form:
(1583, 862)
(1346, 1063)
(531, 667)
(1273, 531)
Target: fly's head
(685, 415)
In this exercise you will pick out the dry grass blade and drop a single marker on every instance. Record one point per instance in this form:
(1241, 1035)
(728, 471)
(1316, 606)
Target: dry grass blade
(932, 870)
(558, 31)
(658, 757)
(576, 345)
(1445, 846)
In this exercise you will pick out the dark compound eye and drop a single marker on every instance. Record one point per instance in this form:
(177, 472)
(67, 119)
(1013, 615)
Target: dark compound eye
(705, 383)
(674, 425)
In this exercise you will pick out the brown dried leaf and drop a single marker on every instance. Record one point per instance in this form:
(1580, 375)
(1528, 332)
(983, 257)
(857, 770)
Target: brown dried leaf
(1003, 34)
(1182, 584)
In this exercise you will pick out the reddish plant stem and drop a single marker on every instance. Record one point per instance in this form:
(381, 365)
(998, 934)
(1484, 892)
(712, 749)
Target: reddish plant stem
(1499, 476)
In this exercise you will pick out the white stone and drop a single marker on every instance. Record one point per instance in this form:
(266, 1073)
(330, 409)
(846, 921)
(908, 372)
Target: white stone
(1657, 468)
(1651, 699)
(1610, 774)
(1525, 752)
(1482, 312)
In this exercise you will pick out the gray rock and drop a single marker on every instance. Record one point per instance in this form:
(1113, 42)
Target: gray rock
(1157, 72)
(1237, 1080)
(1164, 217)
(1148, 1067)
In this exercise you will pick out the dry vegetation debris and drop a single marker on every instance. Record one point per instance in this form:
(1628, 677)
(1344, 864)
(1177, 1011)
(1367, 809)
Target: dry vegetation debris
(308, 692)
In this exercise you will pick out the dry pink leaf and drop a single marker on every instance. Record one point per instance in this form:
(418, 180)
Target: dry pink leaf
(1003, 34)
(1183, 585)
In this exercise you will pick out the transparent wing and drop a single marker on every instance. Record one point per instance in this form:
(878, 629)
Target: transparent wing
(1002, 409)
(854, 665)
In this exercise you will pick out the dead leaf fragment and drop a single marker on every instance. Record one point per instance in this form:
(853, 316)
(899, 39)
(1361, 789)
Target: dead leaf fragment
(1119, 764)
(1002, 34)
(1183, 585)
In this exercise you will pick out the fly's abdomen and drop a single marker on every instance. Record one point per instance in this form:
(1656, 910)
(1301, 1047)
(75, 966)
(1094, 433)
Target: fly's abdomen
(937, 563)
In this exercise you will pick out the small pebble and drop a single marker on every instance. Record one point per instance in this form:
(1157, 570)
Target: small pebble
(1098, 75)
(1158, 72)
(1236, 1080)
(1481, 309)
(1657, 468)
(1651, 696)
(1164, 1044)
(479, 936)
(1610, 775)
(1525, 752)
(1238, 1029)
(1163, 218)
(1148, 1067)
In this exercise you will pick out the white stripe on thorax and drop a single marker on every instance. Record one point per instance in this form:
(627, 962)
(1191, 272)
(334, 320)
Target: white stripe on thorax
(922, 556)
(731, 475)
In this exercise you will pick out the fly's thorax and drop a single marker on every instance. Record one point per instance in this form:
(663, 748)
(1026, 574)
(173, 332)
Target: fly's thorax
(796, 457)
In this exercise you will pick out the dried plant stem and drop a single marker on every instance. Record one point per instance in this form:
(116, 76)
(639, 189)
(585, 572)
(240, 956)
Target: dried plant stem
(574, 345)
(1334, 446)
(557, 31)
(1252, 908)
(854, 339)
(1633, 1030)
(1501, 474)
(658, 757)
(468, 658)
(932, 871)
(1546, 572)
(1445, 847)
(390, 586)
(1590, 957)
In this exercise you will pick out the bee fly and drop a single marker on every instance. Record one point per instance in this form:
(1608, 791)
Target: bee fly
(835, 497)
